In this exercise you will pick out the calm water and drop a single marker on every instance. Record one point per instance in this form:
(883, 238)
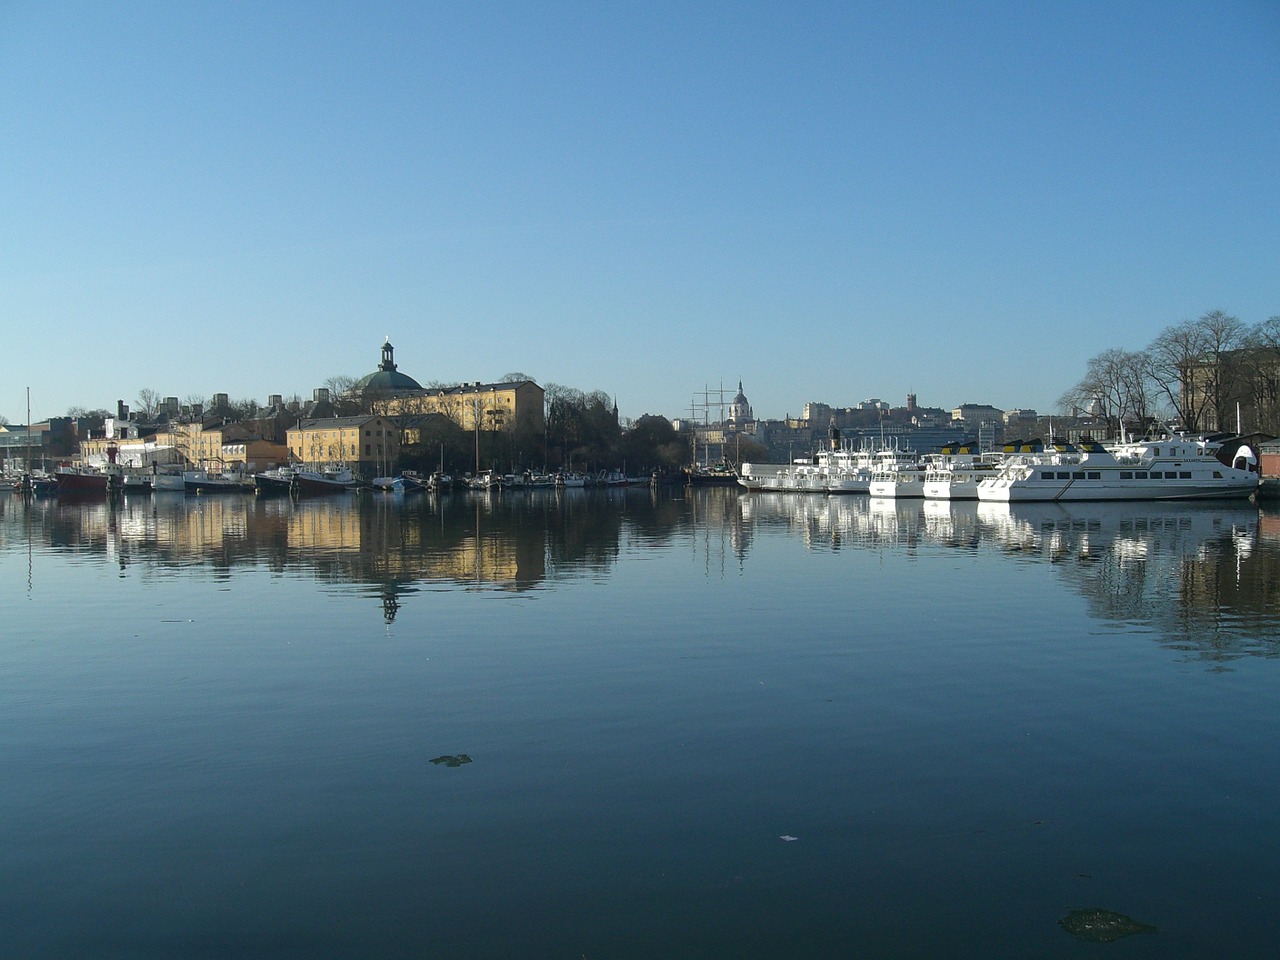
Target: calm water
(239, 728)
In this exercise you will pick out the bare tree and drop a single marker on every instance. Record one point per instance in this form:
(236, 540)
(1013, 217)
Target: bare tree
(1115, 388)
(339, 385)
(1262, 371)
(1198, 366)
(148, 403)
(1171, 359)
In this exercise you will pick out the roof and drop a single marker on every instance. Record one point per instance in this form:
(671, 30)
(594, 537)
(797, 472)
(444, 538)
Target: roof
(386, 381)
(477, 386)
(337, 423)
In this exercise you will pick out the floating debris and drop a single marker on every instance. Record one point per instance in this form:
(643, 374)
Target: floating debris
(787, 837)
(452, 759)
(1101, 926)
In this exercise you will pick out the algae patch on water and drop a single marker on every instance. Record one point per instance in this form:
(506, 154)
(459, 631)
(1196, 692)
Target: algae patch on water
(452, 759)
(1102, 926)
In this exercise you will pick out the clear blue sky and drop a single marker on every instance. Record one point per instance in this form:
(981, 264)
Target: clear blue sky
(828, 201)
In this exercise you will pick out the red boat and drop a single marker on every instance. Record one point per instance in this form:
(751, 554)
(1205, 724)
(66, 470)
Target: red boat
(90, 481)
(81, 480)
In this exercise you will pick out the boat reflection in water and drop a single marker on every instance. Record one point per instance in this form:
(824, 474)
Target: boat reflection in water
(1126, 557)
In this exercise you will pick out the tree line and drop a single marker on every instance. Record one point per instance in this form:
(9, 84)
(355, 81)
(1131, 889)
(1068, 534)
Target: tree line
(1193, 373)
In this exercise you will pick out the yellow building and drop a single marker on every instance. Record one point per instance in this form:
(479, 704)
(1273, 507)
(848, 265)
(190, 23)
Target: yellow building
(190, 445)
(513, 407)
(368, 444)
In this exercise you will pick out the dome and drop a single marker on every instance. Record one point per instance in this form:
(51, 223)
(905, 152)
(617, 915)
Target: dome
(386, 379)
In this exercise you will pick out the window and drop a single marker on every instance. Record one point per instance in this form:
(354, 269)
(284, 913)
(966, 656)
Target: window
(367, 451)
(1095, 475)
(1184, 475)
(1140, 475)
(1126, 474)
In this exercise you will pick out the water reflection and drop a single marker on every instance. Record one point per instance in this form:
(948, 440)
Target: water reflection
(1205, 575)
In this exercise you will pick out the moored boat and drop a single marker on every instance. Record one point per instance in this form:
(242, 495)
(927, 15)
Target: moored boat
(330, 479)
(82, 480)
(957, 471)
(276, 480)
(1171, 468)
(201, 481)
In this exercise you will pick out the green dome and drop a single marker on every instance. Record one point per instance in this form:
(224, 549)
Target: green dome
(387, 379)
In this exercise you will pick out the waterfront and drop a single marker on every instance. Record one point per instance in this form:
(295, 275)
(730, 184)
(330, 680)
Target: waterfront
(628, 723)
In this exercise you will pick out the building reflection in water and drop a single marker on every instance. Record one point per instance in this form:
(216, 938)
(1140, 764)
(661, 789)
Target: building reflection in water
(1206, 574)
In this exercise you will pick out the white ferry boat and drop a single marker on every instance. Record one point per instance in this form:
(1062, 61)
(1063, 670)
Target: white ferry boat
(1172, 468)
(955, 474)
(842, 468)
(898, 474)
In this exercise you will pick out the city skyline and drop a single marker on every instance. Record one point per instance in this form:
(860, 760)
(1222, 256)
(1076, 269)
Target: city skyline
(828, 202)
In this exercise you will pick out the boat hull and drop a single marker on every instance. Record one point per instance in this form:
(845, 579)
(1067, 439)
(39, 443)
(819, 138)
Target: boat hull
(76, 482)
(1068, 492)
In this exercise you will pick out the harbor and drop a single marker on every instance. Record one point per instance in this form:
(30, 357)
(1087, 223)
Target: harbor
(637, 721)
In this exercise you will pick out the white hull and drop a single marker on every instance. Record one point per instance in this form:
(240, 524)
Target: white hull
(959, 487)
(1101, 491)
(901, 487)
(1167, 469)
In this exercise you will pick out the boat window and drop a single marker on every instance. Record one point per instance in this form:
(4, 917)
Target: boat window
(1184, 475)
(1095, 475)
(1079, 474)
(1155, 451)
(1046, 475)
(1126, 474)
(1217, 474)
(1140, 475)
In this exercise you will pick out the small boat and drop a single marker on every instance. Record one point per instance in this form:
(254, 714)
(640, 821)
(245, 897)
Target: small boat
(137, 480)
(414, 482)
(486, 480)
(167, 477)
(716, 475)
(201, 481)
(276, 480)
(330, 479)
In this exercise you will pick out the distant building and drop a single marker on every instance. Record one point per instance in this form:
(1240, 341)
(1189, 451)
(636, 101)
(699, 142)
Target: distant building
(740, 411)
(491, 406)
(510, 406)
(369, 444)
